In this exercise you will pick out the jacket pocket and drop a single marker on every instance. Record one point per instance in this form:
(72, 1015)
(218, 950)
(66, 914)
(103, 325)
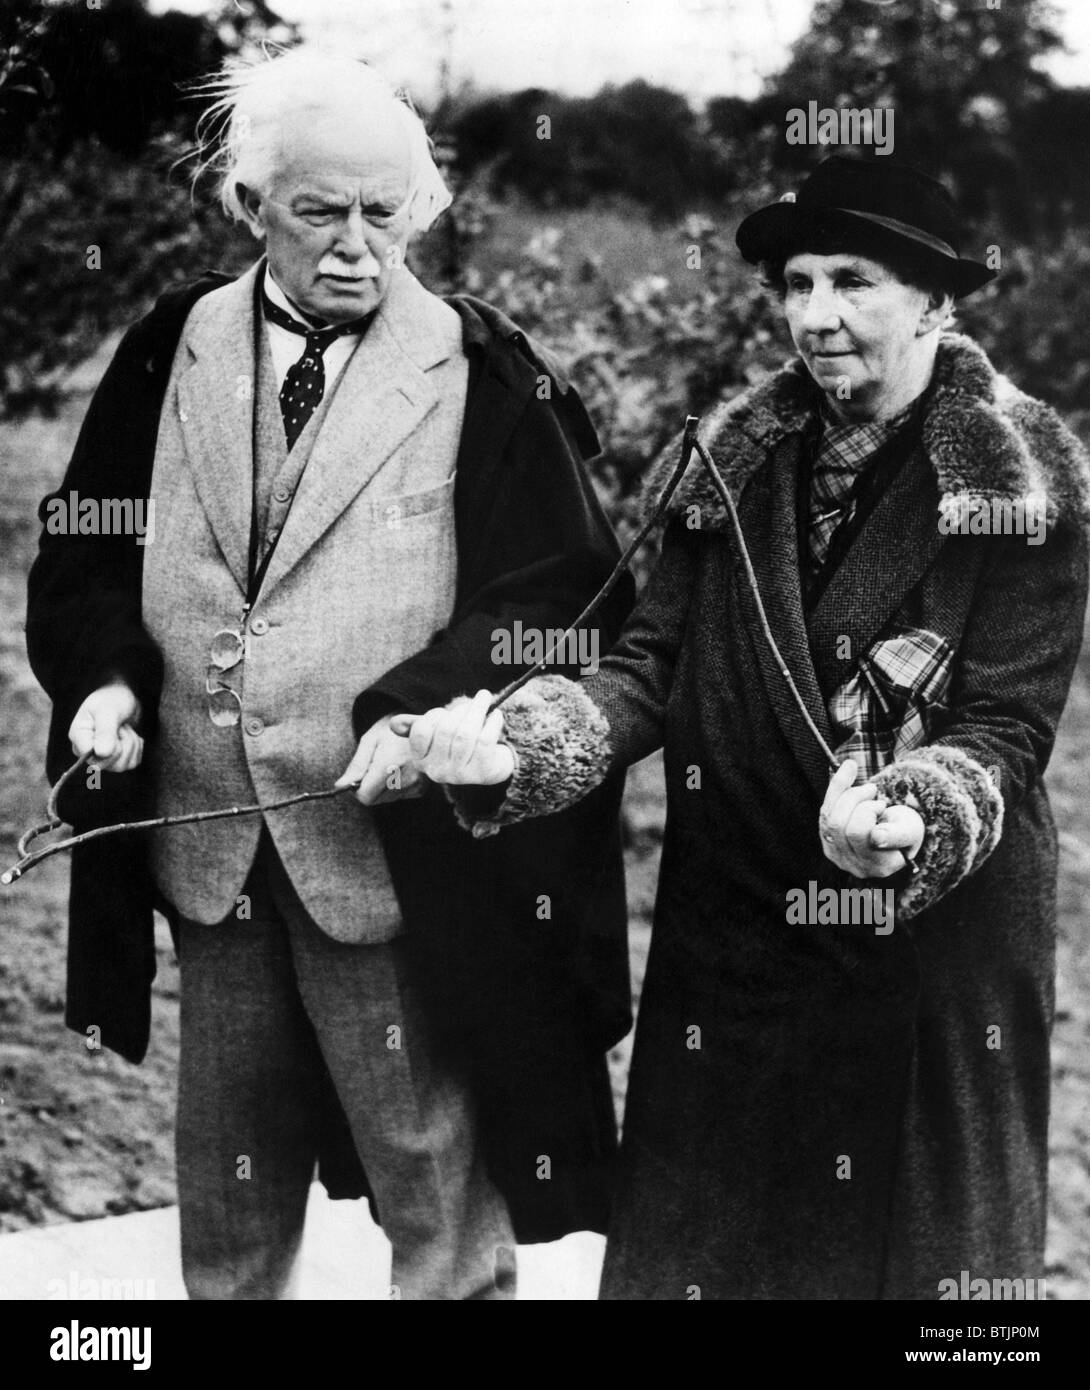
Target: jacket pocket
(412, 509)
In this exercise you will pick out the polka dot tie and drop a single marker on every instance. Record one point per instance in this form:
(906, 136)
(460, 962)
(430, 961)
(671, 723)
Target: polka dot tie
(304, 385)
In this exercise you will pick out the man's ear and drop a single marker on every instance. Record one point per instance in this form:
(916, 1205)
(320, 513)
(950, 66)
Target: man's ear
(936, 311)
(253, 210)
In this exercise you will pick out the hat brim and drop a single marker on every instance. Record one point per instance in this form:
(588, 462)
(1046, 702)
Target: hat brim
(781, 230)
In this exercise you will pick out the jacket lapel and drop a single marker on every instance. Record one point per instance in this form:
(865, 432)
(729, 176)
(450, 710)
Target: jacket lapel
(215, 411)
(895, 547)
(382, 396)
(771, 527)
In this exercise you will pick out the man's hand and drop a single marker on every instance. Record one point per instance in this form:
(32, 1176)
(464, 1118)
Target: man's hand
(383, 765)
(104, 726)
(459, 745)
(860, 833)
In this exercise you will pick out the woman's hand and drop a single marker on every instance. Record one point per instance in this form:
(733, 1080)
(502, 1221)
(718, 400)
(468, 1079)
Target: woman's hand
(459, 745)
(861, 833)
(104, 727)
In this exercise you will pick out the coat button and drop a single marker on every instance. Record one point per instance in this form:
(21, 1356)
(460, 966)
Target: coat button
(255, 726)
(282, 495)
(259, 626)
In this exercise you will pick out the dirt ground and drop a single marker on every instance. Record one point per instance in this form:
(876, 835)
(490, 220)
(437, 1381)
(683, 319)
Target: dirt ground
(83, 1134)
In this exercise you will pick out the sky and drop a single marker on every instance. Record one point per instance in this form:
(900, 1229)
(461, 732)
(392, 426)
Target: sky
(703, 47)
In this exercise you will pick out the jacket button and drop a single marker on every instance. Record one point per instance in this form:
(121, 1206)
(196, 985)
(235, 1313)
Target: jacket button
(255, 726)
(259, 626)
(282, 495)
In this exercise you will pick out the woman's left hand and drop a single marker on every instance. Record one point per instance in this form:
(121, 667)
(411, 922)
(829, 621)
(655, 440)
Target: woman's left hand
(861, 833)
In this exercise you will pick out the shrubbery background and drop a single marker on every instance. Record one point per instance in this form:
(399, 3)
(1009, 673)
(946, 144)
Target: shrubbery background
(586, 237)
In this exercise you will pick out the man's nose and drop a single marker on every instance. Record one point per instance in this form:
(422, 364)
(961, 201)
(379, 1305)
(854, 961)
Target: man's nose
(352, 242)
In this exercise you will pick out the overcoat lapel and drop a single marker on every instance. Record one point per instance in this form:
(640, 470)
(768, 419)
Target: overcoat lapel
(894, 548)
(215, 410)
(771, 527)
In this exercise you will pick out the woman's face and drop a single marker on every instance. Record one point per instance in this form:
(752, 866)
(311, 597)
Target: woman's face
(865, 336)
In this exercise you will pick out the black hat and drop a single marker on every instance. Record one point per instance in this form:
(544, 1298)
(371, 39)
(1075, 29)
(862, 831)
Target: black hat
(875, 201)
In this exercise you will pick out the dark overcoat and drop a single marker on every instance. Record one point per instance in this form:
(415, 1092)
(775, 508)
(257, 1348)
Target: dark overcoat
(829, 1111)
(530, 1004)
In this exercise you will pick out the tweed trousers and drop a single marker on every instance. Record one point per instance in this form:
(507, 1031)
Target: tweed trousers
(267, 1003)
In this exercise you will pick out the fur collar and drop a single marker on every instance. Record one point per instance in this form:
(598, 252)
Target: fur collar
(985, 439)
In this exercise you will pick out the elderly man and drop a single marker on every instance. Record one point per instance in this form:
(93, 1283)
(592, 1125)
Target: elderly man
(356, 486)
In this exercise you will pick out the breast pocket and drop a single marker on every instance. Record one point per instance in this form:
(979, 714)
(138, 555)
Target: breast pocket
(410, 544)
(415, 512)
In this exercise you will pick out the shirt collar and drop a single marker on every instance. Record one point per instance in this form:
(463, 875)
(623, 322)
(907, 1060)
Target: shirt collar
(280, 299)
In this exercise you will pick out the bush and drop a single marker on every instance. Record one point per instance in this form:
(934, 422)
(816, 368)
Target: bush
(636, 140)
(1032, 323)
(58, 300)
(642, 354)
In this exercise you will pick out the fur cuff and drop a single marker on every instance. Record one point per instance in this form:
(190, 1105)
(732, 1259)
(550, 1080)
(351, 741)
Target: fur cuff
(962, 810)
(560, 740)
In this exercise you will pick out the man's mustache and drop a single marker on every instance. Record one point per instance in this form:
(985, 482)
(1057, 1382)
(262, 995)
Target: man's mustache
(350, 272)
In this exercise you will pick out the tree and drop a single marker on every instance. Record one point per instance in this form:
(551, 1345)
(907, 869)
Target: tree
(93, 115)
(960, 78)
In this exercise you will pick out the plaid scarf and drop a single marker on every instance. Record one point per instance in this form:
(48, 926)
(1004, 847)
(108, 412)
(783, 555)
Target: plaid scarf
(882, 712)
(843, 454)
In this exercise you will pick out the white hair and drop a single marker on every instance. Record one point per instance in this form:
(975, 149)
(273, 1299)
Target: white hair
(238, 135)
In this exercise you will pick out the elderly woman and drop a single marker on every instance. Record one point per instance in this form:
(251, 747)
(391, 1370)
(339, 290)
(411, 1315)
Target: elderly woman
(836, 1094)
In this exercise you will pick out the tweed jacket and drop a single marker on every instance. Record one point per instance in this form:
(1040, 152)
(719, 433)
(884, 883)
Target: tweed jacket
(362, 577)
(818, 1108)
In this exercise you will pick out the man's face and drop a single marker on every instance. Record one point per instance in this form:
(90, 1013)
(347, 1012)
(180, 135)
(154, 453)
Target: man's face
(333, 216)
(854, 322)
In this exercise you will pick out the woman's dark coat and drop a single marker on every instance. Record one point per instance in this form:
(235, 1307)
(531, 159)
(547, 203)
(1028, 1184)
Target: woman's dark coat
(533, 1004)
(820, 1111)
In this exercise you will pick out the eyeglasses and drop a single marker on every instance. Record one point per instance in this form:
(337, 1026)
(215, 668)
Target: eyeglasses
(224, 702)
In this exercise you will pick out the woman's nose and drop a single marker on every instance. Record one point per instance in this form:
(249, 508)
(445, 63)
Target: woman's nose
(822, 314)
